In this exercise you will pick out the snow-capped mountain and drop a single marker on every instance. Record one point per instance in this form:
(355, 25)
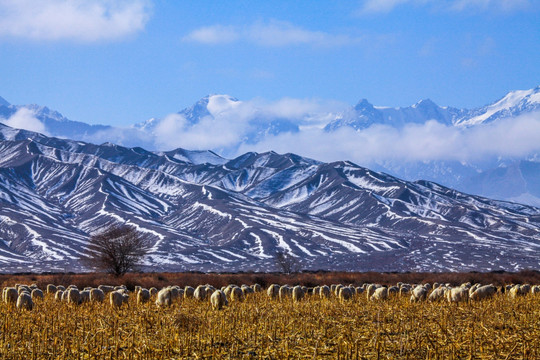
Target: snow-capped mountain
(204, 212)
(364, 114)
(513, 104)
(249, 125)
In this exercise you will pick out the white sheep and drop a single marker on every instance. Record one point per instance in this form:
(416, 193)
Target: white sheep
(472, 288)
(36, 293)
(116, 299)
(164, 297)
(256, 287)
(284, 292)
(143, 296)
(535, 289)
(228, 290)
(175, 294)
(237, 294)
(457, 294)
(72, 296)
(188, 292)
(393, 290)
(437, 294)
(200, 293)
(297, 293)
(10, 295)
(24, 301)
(218, 300)
(324, 292)
(519, 290)
(106, 288)
(24, 288)
(85, 296)
(58, 295)
(345, 294)
(483, 292)
(97, 295)
(273, 291)
(379, 294)
(370, 290)
(404, 290)
(247, 290)
(51, 289)
(154, 291)
(419, 293)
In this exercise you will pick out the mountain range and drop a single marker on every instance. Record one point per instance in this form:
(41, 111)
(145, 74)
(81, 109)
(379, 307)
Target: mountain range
(207, 213)
(505, 178)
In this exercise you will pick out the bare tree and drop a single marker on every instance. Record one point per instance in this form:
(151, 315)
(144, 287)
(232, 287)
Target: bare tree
(117, 250)
(287, 263)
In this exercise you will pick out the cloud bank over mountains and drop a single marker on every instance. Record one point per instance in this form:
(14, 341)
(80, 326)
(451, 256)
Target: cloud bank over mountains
(431, 141)
(26, 119)
(232, 127)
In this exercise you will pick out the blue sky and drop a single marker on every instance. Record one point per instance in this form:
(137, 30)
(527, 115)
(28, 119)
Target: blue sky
(122, 62)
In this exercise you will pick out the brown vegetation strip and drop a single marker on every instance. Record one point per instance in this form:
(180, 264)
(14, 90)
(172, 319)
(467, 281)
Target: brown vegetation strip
(159, 280)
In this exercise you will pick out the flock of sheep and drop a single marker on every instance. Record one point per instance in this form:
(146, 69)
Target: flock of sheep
(24, 296)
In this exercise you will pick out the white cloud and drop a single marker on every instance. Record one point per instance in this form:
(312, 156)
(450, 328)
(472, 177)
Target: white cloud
(234, 121)
(25, 119)
(272, 34)
(215, 34)
(513, 137)
(79, 20)
(487, 5)
(210, 133)
(382, 6)
(504, 6)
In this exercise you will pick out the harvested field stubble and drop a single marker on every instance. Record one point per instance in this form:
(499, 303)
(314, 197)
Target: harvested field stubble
(261, 328)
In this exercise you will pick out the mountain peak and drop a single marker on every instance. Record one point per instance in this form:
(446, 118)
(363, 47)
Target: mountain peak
(424, 103)
(3, 102)
(363, 104)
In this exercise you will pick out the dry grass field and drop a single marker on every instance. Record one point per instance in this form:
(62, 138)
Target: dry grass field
(262, 328)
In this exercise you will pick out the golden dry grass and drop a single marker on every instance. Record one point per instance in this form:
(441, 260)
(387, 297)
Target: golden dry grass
(261, 328)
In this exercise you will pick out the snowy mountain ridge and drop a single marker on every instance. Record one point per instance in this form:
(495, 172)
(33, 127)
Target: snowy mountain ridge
(203, 212)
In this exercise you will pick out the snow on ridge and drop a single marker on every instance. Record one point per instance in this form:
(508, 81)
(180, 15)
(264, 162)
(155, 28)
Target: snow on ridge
(511, 100)
(212, 210)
